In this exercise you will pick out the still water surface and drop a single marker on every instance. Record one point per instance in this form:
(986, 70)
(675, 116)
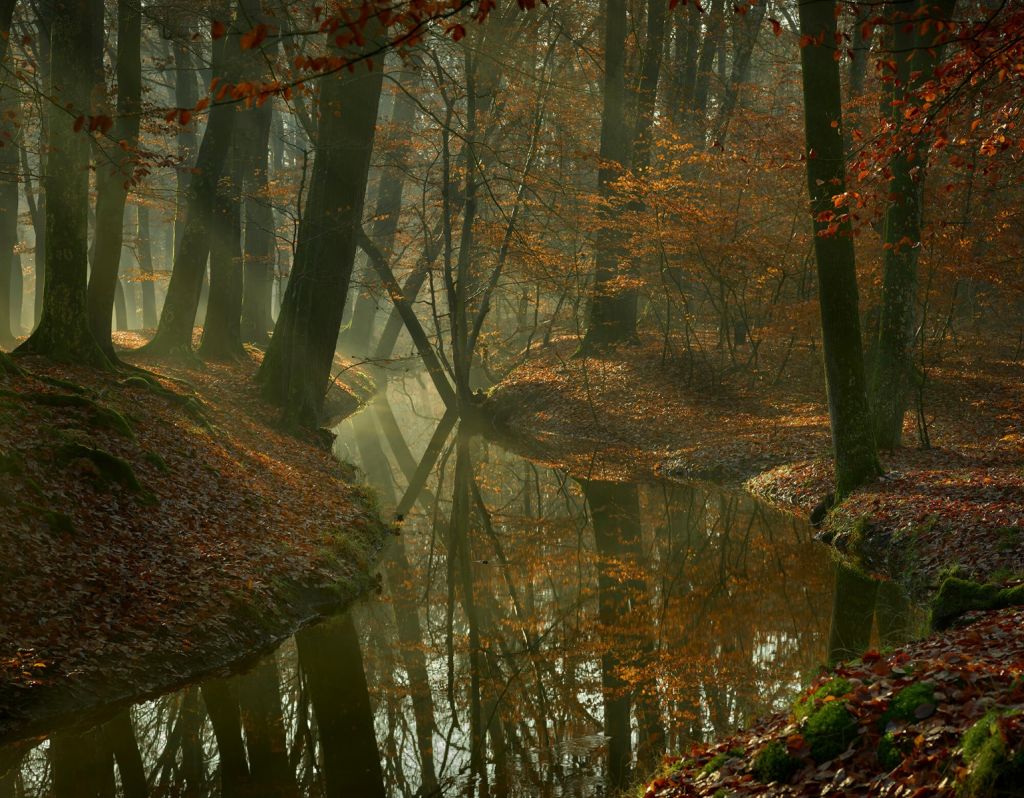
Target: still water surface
(536, 634)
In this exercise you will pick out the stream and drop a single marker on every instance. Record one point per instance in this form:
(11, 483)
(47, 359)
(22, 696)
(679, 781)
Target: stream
(535, 634)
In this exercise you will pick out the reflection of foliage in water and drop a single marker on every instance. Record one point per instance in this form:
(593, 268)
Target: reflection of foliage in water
(506, 661)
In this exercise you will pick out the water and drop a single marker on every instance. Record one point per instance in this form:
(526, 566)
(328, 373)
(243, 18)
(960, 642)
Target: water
(537, 633)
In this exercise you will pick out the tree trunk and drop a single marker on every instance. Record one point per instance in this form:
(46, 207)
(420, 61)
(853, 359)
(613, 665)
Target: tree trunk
(145, 252)
(856, 460)
(612, 307)
(260, 244)
(385, 219)
(114, 166)
(893, 359)
(63, 332)
(174, 332)
(295, 372)
(186, 95)
(222, 330)
(9, 168)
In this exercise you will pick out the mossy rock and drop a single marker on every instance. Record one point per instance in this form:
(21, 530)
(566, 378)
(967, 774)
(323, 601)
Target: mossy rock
(774, 763)
(958, 596)
(834, 688)
(829, 730)
(905, 705)
(719, 760)
(993, 770)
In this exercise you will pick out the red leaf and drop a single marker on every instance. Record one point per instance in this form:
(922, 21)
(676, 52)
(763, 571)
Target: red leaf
(218, 29)
(776, 27)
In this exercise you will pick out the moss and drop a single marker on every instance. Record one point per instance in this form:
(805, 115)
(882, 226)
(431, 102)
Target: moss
(890, 753)
(1009, 538)
(829, 731)
(111, 467)
(774, 763)
(66, 385)
(835, 688)
(957, 596)
(59, 522)
(992, 770)
(718, 760)
(103, 417)
(11, 464)
(904, 705)
(9, 367)
(156, 460)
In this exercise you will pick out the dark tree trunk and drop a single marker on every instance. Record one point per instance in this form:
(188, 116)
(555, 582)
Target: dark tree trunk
(186, 95)
(856, 460)
(145, 253)
(9, 168)
(332, 664)
(893, 362)
(705, 67)
(17, 295)
(174, 332)
(63, 332)
(747, 29)
(612, 308)
(114, 167)
(260, 245)
(297, 367)
(647, 88)
(222, 330)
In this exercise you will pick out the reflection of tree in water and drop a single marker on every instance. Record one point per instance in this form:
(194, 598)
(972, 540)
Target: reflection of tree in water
(536, 636)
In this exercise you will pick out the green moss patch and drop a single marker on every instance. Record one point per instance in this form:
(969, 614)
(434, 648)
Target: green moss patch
(993, 768)
(719, 760)
(774, 763)
(829, 730)
(833, 688)
(914, 702)
(957, 596)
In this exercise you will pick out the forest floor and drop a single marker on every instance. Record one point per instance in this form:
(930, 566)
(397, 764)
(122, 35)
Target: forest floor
(156, 526)
(942, 716)
(629, 414)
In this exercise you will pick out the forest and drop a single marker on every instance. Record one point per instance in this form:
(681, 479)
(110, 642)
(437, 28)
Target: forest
(613, 398)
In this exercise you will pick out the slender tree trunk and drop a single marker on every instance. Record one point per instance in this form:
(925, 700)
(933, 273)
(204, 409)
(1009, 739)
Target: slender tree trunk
(705, 68)
(612, 307)
(63, 332)
(747, 29)
(174, 332)
(260, 246)
(856, 460)
(186, 95)
(145, 251)
(385, 216)
(222, 330)
(893, 362)
(17, 295)
(295, 372)
(114, 165)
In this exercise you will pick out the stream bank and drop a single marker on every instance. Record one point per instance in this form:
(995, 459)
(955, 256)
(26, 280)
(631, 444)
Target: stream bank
(956, 508)
(628, 413)
(158, 526)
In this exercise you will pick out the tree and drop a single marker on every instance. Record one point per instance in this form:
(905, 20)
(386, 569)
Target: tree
(174, 332)
(114, 166)
(917, 44)
(9, 144)
(63, 332)
(612, 305)
(296, 370)
(856, 460)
